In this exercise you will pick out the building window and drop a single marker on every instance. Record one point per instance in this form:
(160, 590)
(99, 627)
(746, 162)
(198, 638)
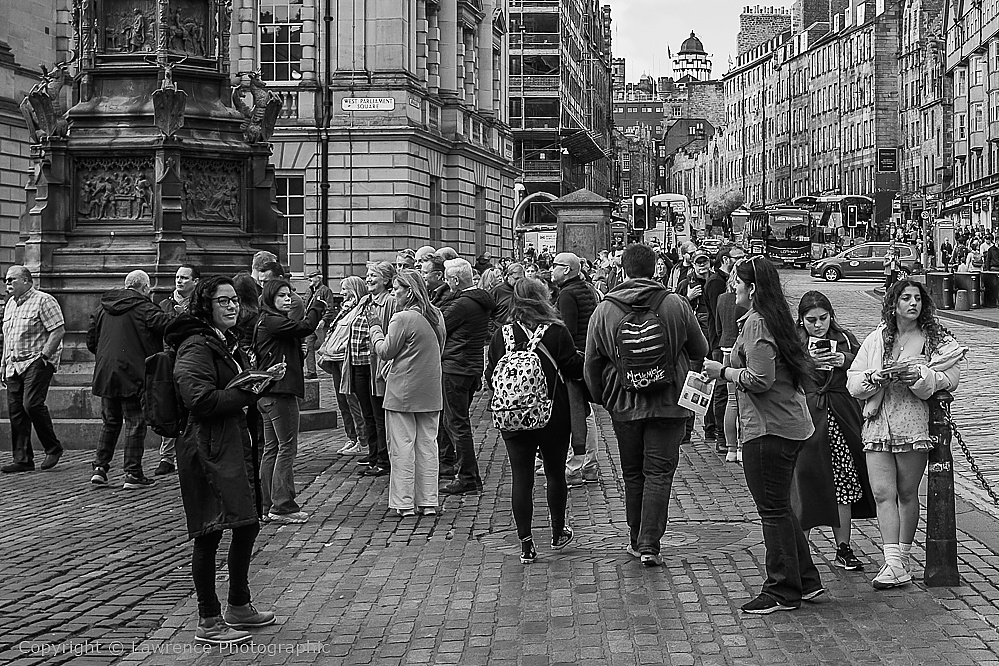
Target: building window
(436, 210)
(281, 40)
(977, 71)
(978, 117)
(291, 203)
(960, 126)
(961, 82)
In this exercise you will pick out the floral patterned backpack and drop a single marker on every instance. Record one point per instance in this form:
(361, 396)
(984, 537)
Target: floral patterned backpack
(521, 400)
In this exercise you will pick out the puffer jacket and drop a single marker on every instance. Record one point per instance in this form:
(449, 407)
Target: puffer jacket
(576, 303)
(214, 460)
(466, 317)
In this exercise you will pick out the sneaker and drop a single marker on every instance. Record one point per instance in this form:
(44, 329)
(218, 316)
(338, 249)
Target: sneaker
(574, 479)
(405, 513)
(738, 456)
(346, 447)
(100, 477)
(631, 550)
(355, 449)
(376, 470)
(731, 456)
(165, 467)
(764, 605)
(846, 559)
(456, 488)
(427, 510)
(366, 460)
(811, 596)
(591, 474)
(527, 551)
(294, 518)
(214, 631)
(133, 482)
(652, 559)
(247, 616)
(562, 540)
(890, 577)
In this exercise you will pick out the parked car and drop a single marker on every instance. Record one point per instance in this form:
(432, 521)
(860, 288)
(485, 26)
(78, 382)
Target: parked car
(862, 261)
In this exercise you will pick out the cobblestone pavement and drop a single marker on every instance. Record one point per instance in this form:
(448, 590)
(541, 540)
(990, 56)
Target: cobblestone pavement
(101, 575)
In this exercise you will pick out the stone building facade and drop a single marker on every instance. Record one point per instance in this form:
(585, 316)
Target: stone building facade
(761, 24)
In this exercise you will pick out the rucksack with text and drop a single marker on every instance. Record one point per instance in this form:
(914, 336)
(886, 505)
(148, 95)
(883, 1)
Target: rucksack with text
(521, 400)
(644, 360)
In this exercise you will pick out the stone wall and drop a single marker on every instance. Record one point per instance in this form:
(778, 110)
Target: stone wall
(14, 168)
(760, 24)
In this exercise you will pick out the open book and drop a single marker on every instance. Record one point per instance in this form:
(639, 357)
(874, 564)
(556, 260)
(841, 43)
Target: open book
(254, 381)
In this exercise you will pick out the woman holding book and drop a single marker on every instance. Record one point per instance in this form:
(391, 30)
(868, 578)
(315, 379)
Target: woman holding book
(278, 339)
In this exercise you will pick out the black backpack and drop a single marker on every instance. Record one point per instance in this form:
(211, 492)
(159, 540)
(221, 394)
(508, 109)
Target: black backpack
(644, 361)
(162, 407)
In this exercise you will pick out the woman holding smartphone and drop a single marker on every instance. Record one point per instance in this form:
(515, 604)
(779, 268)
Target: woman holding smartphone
(905, 360)
(770, 368)
(830, 480)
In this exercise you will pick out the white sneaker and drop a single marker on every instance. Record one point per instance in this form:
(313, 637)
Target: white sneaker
(288, 518)
(890, 577)
(355, 449)
(346, 447)
(738, 456)
(731, 456)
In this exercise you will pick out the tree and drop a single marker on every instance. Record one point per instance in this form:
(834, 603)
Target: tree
(720, 203)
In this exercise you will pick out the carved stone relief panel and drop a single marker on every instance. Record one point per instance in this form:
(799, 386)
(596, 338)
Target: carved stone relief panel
(114, 189)
(129, 26)
(188, 29)
(211, 190)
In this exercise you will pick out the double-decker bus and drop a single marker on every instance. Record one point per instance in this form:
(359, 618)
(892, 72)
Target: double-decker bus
(782, 234)
(670, 220)
(838, 220)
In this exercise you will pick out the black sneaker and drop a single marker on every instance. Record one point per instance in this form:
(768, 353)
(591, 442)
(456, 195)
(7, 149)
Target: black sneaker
(562, 540)
(764, 605)
(811, 596)
(136, 482)
(527, 551)
(457, 488)
(100, 477)
(165, 467)
(845, 558)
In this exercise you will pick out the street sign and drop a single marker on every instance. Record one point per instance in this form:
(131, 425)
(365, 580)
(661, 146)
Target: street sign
(925, 215)
(367, 104)
(887, 160)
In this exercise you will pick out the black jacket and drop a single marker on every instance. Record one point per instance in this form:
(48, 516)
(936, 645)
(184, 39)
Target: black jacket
(278, 338)
(125, 330)
(503, 295)
(992, 259)
(716, 285)
(576, 302)
(214, 459)
(466, 317)
(699, 304)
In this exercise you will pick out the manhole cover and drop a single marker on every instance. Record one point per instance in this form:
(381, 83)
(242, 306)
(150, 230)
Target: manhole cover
(682, 540)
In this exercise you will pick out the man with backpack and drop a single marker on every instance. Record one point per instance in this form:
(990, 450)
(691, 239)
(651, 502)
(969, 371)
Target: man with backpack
(640, 344)
(576, 302)
(123, 332)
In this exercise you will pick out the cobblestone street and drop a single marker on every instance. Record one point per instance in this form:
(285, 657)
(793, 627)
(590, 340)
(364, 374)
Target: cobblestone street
(101, 575)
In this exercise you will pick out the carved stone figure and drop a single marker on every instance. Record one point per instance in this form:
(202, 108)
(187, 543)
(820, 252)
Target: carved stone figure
(187, 34)
(112, 189)
(169, 102)
(137, 39)
(210, 190)
(143, 197)
(262, 116)
(43, 108)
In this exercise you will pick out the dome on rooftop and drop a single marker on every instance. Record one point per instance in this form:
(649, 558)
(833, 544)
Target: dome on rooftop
(692, 45)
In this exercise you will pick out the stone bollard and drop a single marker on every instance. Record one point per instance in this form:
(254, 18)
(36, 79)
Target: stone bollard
(961, 303)
(941, 522)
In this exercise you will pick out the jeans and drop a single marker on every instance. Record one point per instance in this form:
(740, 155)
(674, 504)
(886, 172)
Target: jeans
(650, 453)
(113, 412)
(523, 447)
(26, 395)
(168, 450)
(413, 451)
(203, 568)
(350, 408)
(312, 343)
(458, 393)
(374, 416)
(277, 474)
(769, 462)
(584, 430)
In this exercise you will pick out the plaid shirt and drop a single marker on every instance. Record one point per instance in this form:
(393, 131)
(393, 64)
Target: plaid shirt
(27, 322)
(360, 340)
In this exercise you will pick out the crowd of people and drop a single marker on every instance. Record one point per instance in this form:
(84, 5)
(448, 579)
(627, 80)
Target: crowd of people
(827, 429)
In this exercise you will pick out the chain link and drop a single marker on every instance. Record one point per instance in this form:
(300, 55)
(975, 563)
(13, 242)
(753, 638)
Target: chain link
(971, 459)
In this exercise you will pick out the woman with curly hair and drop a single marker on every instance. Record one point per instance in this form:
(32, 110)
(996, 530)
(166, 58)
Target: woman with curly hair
(905, 360)
(771, 370)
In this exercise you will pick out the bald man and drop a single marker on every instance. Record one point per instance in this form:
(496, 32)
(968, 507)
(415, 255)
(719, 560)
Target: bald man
(124, 331)
(33, 329)
(576, 302)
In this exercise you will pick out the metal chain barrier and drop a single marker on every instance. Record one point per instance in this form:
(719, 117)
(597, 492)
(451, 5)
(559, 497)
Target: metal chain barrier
(971, 459)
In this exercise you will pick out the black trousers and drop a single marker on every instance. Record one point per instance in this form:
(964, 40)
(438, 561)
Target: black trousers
(26, 394)
(203, 568)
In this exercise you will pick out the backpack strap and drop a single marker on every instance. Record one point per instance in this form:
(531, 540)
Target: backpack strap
(535, 345)
(508, 340)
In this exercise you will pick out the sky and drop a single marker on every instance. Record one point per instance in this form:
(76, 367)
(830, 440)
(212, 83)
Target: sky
(642, 30)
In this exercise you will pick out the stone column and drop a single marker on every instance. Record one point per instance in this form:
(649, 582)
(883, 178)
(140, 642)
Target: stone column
(447, 23)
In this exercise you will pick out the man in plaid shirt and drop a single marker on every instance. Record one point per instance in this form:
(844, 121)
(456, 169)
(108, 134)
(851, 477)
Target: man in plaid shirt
(33, 328)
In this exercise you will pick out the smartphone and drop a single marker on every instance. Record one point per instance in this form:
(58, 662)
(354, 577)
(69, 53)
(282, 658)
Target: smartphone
(895, 370)
(821, 344)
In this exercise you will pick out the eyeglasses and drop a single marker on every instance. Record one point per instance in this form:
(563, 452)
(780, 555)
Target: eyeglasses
(9, 280)
(700, 261)
(226, 301)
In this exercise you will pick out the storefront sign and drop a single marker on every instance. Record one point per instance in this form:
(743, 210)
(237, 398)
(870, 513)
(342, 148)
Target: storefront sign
(887, 160)
(367, 104)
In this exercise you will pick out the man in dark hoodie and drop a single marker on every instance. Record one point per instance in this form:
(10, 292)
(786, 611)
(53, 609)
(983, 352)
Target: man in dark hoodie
(123, 332)
(648, 425)
(503, 293)
(466, 316)
(694, 289)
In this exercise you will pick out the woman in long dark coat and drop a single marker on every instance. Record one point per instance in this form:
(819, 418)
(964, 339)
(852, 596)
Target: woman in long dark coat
(830, 485)
(214, 459)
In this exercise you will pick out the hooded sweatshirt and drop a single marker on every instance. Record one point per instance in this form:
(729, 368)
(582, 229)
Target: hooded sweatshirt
(684, 337)
(123, 331)
(466, 317)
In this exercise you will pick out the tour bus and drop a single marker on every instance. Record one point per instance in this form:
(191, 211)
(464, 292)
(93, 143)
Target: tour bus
(782, 234)
(670, 214)
(837, 221)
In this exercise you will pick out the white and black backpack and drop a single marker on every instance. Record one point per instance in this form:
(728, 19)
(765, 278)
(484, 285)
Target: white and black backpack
(521, 399)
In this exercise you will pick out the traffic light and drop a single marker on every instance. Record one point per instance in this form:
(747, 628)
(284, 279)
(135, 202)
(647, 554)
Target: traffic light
(640, 212)
(852, 216)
